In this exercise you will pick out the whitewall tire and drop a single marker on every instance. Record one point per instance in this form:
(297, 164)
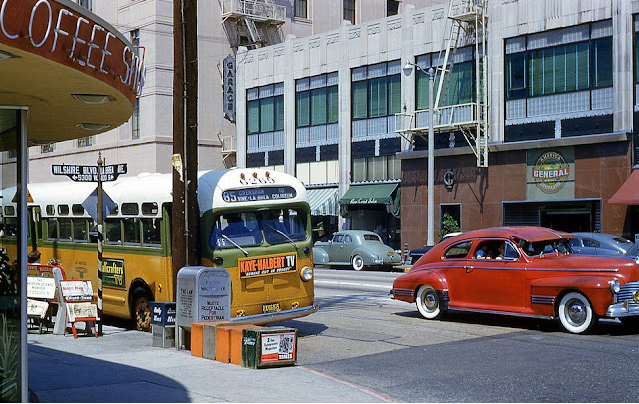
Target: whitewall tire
(427, 302)
(575, 313)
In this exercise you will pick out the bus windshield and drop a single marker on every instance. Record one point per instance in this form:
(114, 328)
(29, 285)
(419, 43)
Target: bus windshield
(250, 229)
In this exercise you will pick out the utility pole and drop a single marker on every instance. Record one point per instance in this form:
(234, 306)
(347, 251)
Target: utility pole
(185, 213)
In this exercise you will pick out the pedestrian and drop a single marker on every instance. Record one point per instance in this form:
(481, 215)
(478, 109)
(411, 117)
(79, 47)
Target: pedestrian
(34, 257)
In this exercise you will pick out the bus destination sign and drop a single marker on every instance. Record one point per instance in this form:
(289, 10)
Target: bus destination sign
(89, 173)
(259, 194)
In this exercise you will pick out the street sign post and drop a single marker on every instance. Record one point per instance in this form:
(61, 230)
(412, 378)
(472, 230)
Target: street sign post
(100, 173)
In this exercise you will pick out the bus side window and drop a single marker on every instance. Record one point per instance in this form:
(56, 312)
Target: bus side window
(52, 227)
(151, 232)
(112, 232)
(65, 229)
(131, 230)
(10, 226)
(80, 230)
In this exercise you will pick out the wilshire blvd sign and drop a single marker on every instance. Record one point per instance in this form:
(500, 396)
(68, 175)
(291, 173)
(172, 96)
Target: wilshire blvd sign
(89, 173)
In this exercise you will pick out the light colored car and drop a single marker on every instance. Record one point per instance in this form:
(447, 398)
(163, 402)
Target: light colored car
(356, 248)
(599, 244)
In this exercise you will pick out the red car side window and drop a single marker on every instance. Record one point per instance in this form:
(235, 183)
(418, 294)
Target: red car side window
(459, 250)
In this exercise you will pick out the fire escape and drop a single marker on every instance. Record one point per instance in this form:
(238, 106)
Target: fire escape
(252, 23)
(468, 24)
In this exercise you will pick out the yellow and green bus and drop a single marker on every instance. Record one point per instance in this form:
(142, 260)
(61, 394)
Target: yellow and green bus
(254, 223)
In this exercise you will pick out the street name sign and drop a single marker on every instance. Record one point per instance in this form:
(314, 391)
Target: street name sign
(89, 173)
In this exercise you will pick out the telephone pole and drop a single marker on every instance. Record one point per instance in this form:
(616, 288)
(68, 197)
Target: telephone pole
(185, 213)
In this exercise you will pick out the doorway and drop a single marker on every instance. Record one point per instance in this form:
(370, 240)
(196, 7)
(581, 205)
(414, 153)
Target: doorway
(567, 221)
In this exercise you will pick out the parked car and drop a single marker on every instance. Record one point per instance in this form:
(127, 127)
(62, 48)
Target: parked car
(357, 248)
(599, 244)
(417, 253)
(633, 252)
(525, 271)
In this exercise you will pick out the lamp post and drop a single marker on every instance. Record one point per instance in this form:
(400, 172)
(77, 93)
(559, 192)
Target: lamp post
(408, 69)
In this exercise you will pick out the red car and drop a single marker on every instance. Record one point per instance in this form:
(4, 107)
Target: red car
(522, 271)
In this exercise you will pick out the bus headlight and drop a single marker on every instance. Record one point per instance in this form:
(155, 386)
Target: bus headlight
(306, 273)
(615, 286)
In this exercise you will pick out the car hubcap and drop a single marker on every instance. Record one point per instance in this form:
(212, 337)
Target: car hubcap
(576, 312)
(430, 301)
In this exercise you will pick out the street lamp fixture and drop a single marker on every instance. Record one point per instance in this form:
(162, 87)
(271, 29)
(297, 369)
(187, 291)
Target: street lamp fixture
(408, 69)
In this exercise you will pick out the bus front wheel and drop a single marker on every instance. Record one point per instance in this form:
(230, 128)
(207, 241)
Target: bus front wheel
(142, 309)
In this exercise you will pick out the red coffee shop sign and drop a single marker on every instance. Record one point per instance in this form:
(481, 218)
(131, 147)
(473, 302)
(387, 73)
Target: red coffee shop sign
(68, 36)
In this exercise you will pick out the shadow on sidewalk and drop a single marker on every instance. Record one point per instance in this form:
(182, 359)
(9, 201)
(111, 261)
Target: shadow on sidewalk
(58, 376)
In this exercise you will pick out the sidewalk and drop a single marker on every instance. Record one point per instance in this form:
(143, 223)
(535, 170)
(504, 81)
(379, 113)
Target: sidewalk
(123, 366)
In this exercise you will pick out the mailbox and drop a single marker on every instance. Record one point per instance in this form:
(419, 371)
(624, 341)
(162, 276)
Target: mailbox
(203, 294)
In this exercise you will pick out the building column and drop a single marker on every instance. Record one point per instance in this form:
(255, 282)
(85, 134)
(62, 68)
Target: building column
(240, 105)
(495, 76)
(408, 81)
(622, 55)
(345, 135)
(289, 109)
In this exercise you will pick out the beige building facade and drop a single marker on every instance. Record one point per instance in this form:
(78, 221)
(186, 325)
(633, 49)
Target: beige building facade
(145, 141)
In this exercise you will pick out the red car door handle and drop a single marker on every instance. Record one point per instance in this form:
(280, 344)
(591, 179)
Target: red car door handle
(469, 269)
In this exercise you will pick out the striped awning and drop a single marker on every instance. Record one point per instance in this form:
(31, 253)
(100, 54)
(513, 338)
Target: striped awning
(323, 201)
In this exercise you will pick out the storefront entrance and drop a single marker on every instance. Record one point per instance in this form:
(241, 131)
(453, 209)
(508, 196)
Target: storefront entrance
(567, 221)
(570, 216)
(374, 207)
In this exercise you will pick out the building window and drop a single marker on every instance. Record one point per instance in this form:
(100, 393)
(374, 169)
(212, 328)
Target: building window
(559, 69)
(135, 37)
(378, 168)
(86, 4)
(47, 148)
(392, 7)
(135, 120)
(316, 106)
(376, 91)
(85, 141)
(459, 87)
(453, 212)
(301, 9)
(349, 11)
(265, 118)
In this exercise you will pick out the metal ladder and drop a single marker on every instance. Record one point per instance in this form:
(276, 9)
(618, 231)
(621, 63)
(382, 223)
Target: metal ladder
(471, 19)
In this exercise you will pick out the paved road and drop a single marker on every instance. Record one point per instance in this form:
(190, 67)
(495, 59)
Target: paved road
(362, 336)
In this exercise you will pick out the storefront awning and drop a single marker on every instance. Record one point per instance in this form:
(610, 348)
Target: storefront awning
(373, 194)
(323, 201)
(369, 194)
(628, 194)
